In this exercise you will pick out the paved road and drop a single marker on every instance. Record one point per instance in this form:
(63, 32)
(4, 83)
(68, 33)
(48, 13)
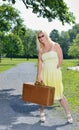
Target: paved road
(18, 115)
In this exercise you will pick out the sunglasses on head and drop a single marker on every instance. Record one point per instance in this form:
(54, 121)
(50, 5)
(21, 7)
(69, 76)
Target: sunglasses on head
(40, 36)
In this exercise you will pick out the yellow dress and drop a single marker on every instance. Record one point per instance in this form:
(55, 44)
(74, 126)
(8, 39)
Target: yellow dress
(51, 75)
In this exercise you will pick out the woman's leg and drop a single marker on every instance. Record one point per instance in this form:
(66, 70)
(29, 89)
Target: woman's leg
(64, 104)
(41, 109)
(42, 114)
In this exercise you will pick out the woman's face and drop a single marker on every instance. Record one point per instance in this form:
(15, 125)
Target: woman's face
(41, 37)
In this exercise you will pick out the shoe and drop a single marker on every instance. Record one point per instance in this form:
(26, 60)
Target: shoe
(69, 119)
(42, 117)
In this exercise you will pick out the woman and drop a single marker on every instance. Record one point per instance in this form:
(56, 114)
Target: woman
(49, 62)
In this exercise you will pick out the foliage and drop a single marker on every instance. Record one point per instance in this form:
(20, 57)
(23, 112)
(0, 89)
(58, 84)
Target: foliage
(54, 35)
(73, 32)
(50, 9)
(18, 41)
(61, 38)
(65, 39)
(64, 42)
(74, 48)
(29, 42)
(13, 46)
(28, 38)
(16, 27)
(1, 44)
(9, 18)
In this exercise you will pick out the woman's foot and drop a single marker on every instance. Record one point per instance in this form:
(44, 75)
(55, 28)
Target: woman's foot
(69, 119)
(42, 117)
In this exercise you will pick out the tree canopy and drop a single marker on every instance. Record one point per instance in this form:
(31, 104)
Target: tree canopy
(68, 40)
(15, 39)
(9, 18)
(49, 9)
(74, 48)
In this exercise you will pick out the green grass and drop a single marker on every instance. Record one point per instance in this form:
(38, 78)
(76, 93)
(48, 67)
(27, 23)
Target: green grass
(7, 63)
(70, 78)
(71, 83)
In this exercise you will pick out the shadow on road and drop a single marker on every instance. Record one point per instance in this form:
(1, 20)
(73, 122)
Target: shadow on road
(18, 115)
(37, 126)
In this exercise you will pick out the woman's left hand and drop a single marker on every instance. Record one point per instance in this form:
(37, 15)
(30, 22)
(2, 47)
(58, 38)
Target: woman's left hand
(58, 66)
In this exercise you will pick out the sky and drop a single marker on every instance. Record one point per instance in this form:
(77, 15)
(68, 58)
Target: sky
(33, 22)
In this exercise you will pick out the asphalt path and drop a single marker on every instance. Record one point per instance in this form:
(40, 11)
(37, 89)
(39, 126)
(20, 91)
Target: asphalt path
(16, 114)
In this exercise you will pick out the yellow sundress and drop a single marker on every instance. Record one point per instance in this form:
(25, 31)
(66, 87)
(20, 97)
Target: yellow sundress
(51, 75)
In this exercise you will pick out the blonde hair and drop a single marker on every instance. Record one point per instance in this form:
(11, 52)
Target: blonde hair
(39, 44)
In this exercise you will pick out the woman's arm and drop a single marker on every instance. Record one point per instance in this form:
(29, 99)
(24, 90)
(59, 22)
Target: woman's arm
(39, 67)
(60, 54)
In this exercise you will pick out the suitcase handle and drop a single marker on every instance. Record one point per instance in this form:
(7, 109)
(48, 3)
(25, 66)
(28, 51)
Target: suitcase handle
(39, 83)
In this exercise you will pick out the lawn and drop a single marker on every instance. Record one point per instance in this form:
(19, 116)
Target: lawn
(70, 78)
(71, 83)
(7, 63)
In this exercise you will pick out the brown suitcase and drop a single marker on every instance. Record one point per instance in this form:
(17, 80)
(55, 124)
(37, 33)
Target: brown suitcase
(37, 94)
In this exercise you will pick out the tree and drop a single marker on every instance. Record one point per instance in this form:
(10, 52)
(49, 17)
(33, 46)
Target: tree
(64, 42)
(63, 39)
(9, 18)
(67, 38)
(32, 49)
(50, 9)
(28, 39)
(74, 48)
(10, 23)
(29, 42)
(13, 46)
(73, 32)
(1, 43)
(54, 35)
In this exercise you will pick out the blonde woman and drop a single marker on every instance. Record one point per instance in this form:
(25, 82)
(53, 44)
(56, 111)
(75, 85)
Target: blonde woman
(49, 62)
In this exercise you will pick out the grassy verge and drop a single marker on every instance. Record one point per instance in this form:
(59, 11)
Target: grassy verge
(7, 63)
(71, 84)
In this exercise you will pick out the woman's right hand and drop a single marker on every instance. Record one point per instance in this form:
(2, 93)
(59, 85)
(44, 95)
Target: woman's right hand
(39, 79)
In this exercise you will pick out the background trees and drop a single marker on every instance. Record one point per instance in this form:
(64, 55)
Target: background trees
(69, 41)
(16, 40)
(1, 44)
(55, 35)
(74, 48)
(13, 46)
(9, 18)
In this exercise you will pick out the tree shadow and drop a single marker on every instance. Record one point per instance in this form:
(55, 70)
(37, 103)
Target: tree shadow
(6, 114)
(19, 106)
(37, 126)
(12, 108)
